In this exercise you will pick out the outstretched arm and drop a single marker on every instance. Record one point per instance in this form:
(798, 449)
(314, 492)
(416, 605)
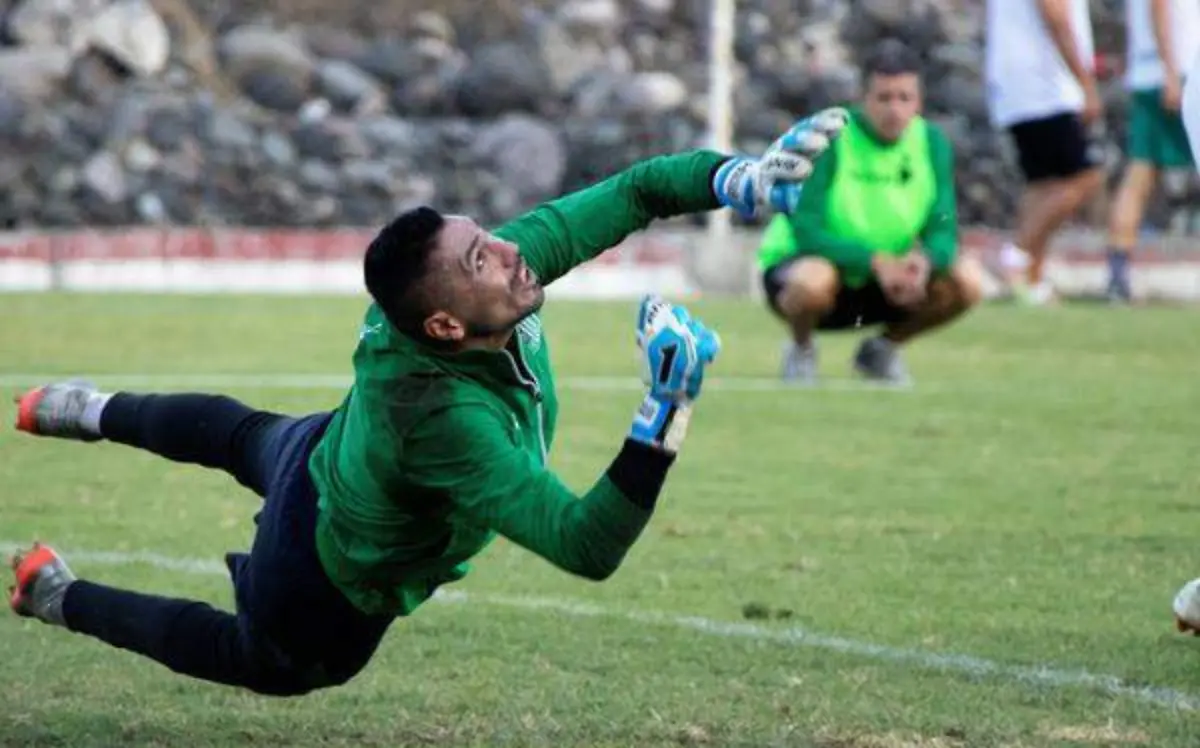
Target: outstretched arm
(567, 232)
(558, 236)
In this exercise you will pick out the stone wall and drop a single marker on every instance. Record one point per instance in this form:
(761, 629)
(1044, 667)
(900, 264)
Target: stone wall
(314, 113)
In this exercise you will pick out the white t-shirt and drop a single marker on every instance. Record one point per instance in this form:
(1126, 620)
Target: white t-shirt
(1190, 108)
(1026, 77)
(1143, 68)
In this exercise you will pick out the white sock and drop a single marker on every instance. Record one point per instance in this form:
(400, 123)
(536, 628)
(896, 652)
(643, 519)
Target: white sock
(90, 420)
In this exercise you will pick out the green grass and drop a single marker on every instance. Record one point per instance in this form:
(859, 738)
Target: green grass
(1032, 502)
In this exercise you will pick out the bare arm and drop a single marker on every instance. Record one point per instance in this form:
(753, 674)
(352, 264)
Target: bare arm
(1160, 22)
(1057, 17)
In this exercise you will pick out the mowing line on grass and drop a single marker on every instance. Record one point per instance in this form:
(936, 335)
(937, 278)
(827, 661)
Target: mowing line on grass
(279, 381)
(969, 665)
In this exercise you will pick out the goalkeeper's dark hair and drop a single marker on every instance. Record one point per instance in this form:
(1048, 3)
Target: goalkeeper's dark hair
(891, 57)
(396, 265)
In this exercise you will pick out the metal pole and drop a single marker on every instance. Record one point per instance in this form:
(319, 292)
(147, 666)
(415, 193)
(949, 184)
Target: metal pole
(719, 256)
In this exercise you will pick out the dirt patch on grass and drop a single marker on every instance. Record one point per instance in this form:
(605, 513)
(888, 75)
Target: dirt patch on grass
(889, 740)
(1108, 734)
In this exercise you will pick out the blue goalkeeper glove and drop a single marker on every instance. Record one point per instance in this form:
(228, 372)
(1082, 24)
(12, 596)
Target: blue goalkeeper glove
(774, 181)
(675, 351)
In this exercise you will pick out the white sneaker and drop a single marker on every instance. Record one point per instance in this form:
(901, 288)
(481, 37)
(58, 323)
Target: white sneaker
(1187, 608)
(1041, 294)
(800, 363)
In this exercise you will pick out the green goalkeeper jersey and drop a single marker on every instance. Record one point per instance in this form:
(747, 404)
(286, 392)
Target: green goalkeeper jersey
(431, 455)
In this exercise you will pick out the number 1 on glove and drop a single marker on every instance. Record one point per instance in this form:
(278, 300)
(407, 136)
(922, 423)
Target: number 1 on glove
(675, 351)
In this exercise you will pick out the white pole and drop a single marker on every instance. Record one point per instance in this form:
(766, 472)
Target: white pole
(720, 127)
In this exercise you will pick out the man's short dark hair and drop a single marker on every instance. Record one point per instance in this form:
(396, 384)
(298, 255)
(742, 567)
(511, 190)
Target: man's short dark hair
(891, 57)
(396, 264)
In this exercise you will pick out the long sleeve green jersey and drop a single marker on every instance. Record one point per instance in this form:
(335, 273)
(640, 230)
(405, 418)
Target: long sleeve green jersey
(431, 455)
(866, 196)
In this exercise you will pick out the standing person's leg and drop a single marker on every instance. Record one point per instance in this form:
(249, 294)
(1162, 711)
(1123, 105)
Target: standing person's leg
(1137, 186)
(210, 430)
(293, 632)
(1062, 172)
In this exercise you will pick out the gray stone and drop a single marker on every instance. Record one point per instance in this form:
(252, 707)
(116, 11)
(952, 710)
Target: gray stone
(250, 48)
(390, 60)
(330, 141)
(502, 77)
(432, 25)
(65, 181)
(151, 209)
(275, 89)
(650, 94)
(597, 18)
(103, 175)
(95, 80)
(389, 135)
(568, 59)
(227, 130)
(141, 157)
(346, 86)
(375, 175)
(133, 34)
(278, 150)
(335, 43)
(12, 116)
(655, 7)
(52, 22)
(34, 72)
(165, 128)
(889, 12)
(527, 155)
(319, 176)
(285, 123)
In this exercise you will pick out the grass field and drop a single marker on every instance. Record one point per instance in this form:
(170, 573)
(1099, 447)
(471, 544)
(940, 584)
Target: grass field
(985, 560)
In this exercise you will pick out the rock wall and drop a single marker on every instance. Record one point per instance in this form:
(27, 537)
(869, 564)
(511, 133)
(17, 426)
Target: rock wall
(315, 113)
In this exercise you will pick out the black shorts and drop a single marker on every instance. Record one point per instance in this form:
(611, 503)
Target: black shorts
(1055, 147)
(288, 609)
(855, 307)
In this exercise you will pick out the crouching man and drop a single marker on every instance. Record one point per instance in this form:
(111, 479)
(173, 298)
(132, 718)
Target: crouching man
(874, 239)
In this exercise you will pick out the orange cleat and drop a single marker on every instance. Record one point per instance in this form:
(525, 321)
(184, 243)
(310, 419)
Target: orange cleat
(42, 579)
(56, 410)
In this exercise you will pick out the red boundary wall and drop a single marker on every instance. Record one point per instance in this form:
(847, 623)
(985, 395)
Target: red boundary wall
(649, 248)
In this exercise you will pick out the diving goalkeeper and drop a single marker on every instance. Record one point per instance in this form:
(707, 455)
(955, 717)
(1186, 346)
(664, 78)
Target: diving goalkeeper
(440, 444)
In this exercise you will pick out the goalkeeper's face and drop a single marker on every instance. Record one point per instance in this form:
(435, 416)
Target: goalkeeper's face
(481, 286)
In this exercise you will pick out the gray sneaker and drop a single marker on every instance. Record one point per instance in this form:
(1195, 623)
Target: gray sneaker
(800, 363)
(42, 579)
(56, 410)
(879, 360)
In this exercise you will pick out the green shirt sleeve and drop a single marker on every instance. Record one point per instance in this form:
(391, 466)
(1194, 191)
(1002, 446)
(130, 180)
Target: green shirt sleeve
(940, 235)
(558, 236)
(467, 453)
(808, 223)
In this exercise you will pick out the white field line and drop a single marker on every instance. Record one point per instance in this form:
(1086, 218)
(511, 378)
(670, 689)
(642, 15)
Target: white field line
(1043, 675)
(279, 381)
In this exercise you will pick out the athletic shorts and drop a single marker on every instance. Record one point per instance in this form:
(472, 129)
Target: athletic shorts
(862, 306)
(289, 612)
(1055, 147)
(1156, 136)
